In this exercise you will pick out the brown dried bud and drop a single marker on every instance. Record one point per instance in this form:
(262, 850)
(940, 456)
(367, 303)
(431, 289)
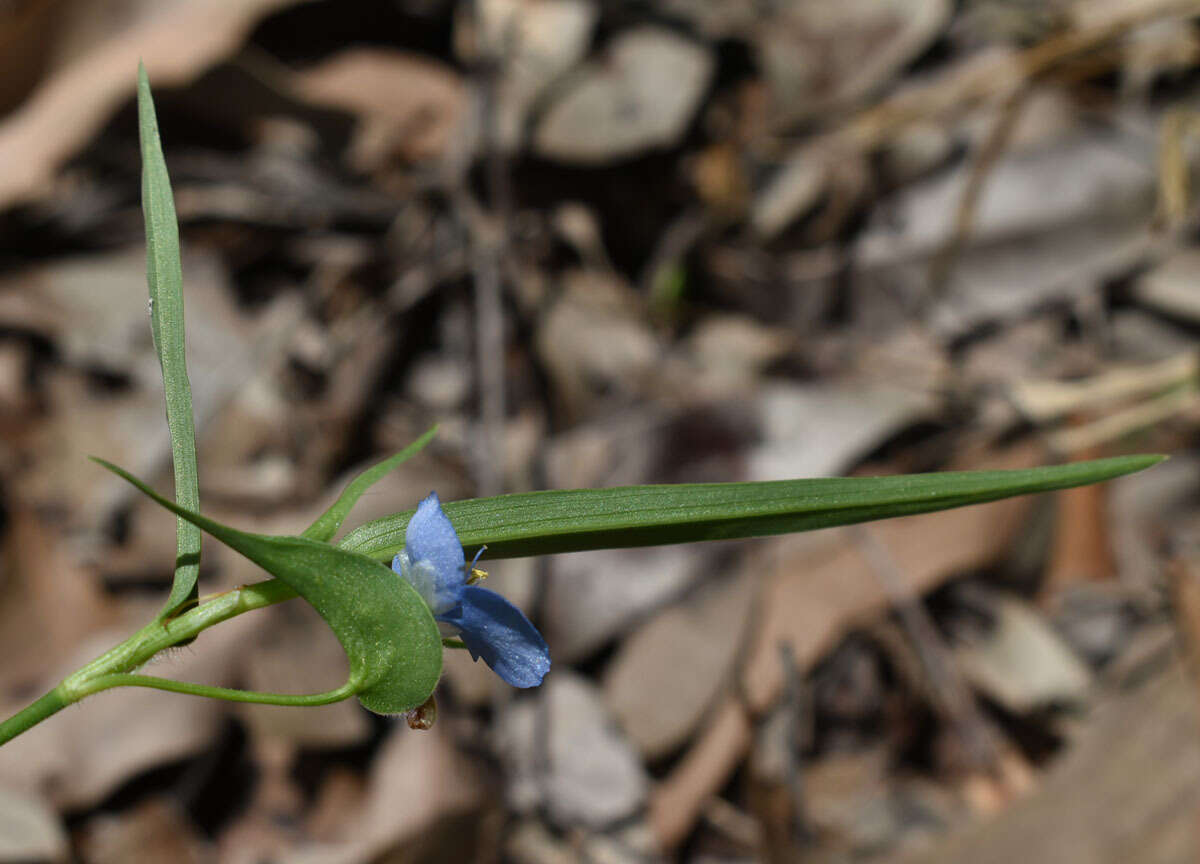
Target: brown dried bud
(424, 716)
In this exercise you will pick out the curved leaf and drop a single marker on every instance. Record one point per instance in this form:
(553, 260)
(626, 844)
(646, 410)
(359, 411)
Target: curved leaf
(390, 638)
(164, 274)
(537, 523)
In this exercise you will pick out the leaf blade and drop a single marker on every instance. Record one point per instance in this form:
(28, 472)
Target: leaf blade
(164, 276)
(574, 520)
(326, 525)
(386, 630)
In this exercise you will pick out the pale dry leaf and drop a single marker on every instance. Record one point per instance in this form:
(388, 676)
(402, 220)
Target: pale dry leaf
(29, 830)
(1021, 663)
(668, 672)
(292, 651)
(1170, 287)
(818, 430)
(420, 787)
(85, 752)
(819, 55)
(582, 610)
(536, 42)
(156, 830)
(49, 603)
(177, 42)
(811, 602)
(818, 586)
(1042, 401)
(1127, 789)
(592, 338)
(642, 95)
(408, 106)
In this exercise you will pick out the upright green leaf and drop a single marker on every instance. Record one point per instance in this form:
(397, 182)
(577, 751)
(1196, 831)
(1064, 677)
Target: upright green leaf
(164, 274)
(538, 523)
(327, 524)
(387, 631)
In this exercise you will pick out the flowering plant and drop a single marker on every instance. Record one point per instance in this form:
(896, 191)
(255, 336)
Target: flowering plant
(388, 620)
(492, 628)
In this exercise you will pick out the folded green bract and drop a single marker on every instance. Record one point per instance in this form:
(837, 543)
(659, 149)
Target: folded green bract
(387, 631)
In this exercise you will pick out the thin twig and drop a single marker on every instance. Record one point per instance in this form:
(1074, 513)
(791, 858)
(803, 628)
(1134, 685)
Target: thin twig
(488, 252)
(964, 218)
(946, 684)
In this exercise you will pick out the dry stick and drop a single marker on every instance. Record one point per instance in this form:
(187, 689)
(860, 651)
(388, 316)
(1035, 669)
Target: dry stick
(964, 218)
(798, 706)
(875, 125)
(946, 684)
(989, 154)
(487, 257)
(1183, 578)
(1174, 182)
(706, 766)
(777, 796)
(1172, 170)
(735, 824)
(1118, 424)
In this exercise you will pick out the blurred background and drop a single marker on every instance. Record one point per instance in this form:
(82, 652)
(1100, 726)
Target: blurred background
(606, 243)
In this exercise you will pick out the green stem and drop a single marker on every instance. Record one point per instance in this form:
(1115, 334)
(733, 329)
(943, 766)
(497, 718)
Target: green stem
(157, 635)
(104, 682)
(113, 668)
(33, 714)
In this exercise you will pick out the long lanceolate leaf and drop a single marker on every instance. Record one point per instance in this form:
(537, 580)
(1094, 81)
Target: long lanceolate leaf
(165, 276)
(537, 523)
(387, 631)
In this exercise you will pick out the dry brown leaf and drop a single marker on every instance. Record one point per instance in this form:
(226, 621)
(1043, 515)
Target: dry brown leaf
(1080, 550)
(292, 651)
(48, 602)
(409, 106)
(1185, 596)
(29, 830)
(157, 830)
(676, 804)
(1128, 789)
(83, 753)
(809, 604)
(666, 674)
(177, 42)
(26, 31)
(419, 784)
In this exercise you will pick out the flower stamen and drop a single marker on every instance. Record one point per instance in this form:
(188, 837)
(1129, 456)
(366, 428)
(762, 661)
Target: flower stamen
(475, 574)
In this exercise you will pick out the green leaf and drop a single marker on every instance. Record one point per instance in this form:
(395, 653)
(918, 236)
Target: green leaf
(327, 524)
(387, 631)
(538, 523)
(164, 274)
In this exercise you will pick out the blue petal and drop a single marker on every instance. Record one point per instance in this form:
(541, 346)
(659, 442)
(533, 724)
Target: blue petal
(440, 595)
(497, 631)
(430, 537)
(432, 559)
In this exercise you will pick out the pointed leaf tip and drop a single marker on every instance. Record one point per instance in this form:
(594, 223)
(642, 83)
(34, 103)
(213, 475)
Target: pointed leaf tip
(328, 523)
(164, 277)
(575, 520)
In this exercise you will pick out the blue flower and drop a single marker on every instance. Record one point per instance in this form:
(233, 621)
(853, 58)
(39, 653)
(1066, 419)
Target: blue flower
(491, 627)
